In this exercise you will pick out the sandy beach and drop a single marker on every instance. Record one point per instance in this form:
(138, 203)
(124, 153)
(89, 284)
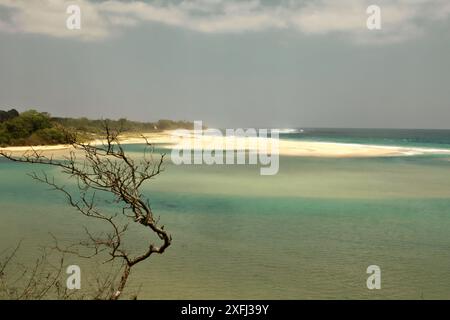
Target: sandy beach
(168, 140)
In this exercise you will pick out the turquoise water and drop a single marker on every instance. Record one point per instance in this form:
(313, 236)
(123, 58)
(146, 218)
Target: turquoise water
(309, 232)
(392, 137)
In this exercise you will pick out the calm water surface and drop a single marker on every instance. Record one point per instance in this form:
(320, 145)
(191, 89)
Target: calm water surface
(309, 232)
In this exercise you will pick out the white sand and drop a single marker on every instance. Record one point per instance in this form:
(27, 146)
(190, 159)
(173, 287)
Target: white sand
(286, 147)
(295, 148)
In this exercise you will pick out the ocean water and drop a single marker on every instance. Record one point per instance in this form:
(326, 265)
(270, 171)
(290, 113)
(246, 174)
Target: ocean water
(390, 137)
(308, 232)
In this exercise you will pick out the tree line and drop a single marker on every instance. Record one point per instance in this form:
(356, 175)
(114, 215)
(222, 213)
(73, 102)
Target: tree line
(32, 128)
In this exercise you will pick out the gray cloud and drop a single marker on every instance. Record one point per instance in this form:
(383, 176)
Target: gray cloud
(401, 19)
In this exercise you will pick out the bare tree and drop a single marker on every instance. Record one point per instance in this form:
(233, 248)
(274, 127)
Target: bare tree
(44, 278)
(41, 280)
(107, 168)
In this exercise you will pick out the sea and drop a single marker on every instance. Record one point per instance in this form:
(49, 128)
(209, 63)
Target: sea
(309, 232)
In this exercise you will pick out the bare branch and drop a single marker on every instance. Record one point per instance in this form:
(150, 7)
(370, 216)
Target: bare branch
(106, 168)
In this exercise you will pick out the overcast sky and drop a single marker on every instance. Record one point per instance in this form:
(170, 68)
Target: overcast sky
(231, 63)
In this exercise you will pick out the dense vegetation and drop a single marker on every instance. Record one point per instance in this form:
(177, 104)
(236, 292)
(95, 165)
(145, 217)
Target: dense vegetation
(97, 126)
(29, 128)
(6, 115)
(39, 128)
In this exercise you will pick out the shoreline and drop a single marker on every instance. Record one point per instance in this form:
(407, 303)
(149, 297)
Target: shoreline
(287, 147)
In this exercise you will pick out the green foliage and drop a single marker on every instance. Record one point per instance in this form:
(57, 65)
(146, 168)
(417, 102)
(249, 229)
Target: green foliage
(27, 123)
(31, 128)
(170, 125)
(7, 115)
(39, 128)
(97, 126)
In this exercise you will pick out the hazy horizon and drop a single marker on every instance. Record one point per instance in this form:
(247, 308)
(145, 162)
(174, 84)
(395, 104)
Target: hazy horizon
(279, 64)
